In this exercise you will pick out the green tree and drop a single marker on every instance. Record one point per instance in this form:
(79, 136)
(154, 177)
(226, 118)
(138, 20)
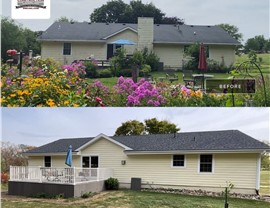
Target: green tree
(65, 19)
(132, 127)
(12, 37)
(265, 161)
(258, 44)
(154, 126)
(119, 12)
(150, 126)
(232, 30)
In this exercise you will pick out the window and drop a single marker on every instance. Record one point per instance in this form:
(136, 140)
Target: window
(206, 163)
(90, 162)
(178, 161)
(47, 161)
(67, 49)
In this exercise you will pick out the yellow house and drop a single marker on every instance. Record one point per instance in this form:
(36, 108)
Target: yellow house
(67, 42)
(193, 160)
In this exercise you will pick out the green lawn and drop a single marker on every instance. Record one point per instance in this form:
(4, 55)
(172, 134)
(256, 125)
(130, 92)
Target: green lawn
(265, 65)
(118, 199)
(265, 182)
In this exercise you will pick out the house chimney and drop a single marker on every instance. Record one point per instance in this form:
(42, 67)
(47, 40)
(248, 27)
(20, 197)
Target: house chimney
(145, 33)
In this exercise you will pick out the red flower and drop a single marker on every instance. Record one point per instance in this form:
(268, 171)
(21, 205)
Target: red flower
(98, 99)
(11, 52)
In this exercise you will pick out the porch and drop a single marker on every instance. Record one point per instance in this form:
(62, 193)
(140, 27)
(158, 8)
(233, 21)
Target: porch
(70, 182)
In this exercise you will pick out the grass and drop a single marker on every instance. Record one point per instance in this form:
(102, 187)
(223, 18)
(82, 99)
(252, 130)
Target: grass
(130, 199)
(265, 182)
(265, 65)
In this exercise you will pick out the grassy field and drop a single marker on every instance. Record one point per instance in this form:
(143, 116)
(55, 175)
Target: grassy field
(129, 199)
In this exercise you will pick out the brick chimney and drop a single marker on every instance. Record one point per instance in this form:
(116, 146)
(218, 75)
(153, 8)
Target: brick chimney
(145, 32)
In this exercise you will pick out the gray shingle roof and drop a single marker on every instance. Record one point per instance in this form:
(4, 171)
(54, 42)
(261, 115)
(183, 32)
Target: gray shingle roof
(193, 141)
(162, 33)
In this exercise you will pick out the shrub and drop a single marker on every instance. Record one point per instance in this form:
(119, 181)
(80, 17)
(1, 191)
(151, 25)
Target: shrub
(91, 69)
(4, 177)
(105, 73)
(87, 195)
(112, 184)
(151, 59)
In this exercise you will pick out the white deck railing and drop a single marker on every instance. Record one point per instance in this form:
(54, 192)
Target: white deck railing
(59, 175)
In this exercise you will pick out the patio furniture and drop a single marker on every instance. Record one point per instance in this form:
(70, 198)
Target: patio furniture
(171, 75)
(199, 80)
(188, 78)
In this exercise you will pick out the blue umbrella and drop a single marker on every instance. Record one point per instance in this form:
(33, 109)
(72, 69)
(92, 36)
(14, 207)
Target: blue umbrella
(123, 42)
(69, 156)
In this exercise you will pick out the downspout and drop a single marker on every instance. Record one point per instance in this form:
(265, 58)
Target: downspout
(258, 171)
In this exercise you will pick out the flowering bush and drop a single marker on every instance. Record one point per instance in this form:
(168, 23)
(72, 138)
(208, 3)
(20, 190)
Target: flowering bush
(46, 84)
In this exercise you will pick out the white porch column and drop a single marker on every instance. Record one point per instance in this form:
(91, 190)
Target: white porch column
(258, 172)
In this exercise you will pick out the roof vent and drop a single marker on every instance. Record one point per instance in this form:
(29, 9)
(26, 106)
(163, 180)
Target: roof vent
(124, 23)
(194, 139)
(194, 33)
(71, 22)
(174, 25)
(107, 23)
(157, 24)
(89, 23)
(208, 26)
(191, 25)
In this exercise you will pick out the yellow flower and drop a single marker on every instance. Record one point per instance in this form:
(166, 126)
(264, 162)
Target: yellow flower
(13, 95)
(50, 102)
(66, 102)
(76, 105)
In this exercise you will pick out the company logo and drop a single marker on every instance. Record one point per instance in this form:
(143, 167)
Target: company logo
(30, 9)
(30, 4)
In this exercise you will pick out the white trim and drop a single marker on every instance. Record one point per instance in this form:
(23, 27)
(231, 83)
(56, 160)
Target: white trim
(185, 43)
(213, 165)
(92, 155)
(178, 167)
(244, 151)
(258, 172)
(122, 30)
(103, 136)
(50, 153)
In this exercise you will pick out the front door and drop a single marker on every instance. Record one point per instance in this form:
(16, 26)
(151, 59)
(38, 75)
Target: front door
(109, 51)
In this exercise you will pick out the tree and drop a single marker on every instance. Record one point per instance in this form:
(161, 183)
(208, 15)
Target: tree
(119, 12)
(265, 161)
(11, 154)
(232, 30)
(154, 126)
(65, 19)
(150, 126)
(258, 44)
(14, 36)
(132, 127)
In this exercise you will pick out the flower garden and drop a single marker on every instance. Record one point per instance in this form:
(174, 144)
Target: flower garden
(48, 84)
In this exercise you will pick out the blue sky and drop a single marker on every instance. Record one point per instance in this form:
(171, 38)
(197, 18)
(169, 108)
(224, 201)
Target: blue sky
(250, 16)
(38, 126)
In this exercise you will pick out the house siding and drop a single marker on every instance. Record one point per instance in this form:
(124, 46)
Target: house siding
(227, 52)
(171, 55)
(156, 170)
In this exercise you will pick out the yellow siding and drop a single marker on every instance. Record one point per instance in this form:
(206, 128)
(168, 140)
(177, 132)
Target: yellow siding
(170, 55)
(227, 52)
(145, 33)
(78, 51)
(240, 169)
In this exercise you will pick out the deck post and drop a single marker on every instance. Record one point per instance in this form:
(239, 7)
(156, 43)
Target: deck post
(98, 169)
(74, 175)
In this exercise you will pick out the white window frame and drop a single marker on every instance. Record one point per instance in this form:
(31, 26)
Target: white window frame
(213, 164)
(90, 160)
(172, 166)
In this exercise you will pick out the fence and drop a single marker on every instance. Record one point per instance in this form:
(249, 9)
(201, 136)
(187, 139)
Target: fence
(59, 175)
